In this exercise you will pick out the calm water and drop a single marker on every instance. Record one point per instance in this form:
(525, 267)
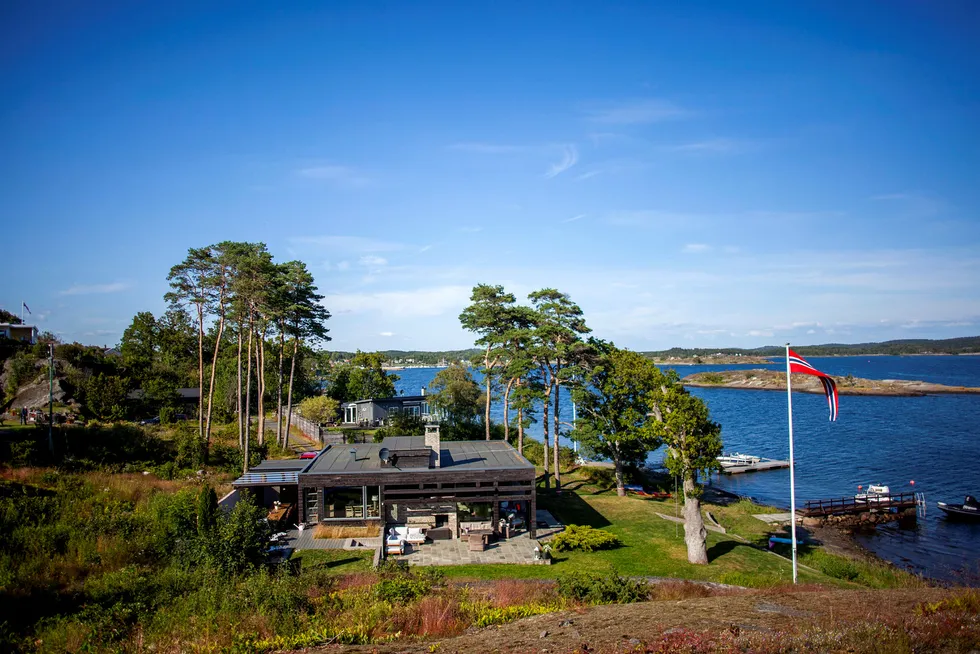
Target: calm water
(934, 441)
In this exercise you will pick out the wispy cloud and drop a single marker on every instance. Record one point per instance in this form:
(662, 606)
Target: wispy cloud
(337, 175)
(574, 218)
(914, 203)
(488, 148)
(471, 229)
(569, 158)
(713, 146)
(96, 289)
(696, 248)
(431, 301)
(354, 244)
(386, 334)
(373, 260)
(588, 175)
(635, 112)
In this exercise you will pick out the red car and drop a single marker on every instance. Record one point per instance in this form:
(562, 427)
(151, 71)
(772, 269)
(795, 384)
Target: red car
(308, 455)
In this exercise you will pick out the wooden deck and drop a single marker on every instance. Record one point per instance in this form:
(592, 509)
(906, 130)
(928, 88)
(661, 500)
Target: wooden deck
(852, 505)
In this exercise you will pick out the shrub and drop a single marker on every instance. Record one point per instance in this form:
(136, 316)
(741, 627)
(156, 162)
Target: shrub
(592, 588)
(585, 539)
(839, 568)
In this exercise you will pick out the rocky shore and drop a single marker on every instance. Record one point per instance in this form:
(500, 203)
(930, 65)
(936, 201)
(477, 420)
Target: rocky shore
(775, 380)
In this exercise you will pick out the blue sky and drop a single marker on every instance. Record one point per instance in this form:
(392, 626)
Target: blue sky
(701, 174)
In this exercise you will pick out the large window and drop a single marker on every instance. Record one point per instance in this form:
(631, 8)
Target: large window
(351, 503)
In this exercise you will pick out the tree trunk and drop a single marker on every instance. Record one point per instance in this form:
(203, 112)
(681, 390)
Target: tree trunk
(618, 464)
(260, 384)
(510, 384)
(555, 450)
(200, 370)
(214, 368)
(544, 424)
(487, 378)
(248, 394)
(238, 399)
(694, 531)
(289, 395)
(282, 347)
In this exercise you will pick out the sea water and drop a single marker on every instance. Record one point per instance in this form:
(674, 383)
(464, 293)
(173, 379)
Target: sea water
(933, 441)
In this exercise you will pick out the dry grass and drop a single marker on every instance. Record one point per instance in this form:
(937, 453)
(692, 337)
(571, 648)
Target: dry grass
(341, 531)
(514, 592)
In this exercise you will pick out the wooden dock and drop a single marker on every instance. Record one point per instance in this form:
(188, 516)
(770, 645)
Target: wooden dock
(762, 464)
(853, 505)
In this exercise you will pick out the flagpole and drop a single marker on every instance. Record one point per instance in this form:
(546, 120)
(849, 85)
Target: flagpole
(792, 481)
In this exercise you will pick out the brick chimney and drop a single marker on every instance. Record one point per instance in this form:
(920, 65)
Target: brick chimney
(432, 442)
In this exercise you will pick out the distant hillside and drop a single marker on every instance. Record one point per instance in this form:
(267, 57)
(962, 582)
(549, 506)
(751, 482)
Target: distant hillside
(415, 357)
(964, 345)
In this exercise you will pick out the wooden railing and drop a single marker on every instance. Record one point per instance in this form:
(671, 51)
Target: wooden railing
(858, 504)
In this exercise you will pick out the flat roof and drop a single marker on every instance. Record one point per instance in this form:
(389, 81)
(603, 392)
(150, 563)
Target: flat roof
(396, 398)
(271, 479)
(454, 456)
(281, 465)
(402, 443)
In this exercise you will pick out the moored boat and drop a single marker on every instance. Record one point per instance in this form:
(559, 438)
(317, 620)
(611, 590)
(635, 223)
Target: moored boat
(968, 510)
(736, 460)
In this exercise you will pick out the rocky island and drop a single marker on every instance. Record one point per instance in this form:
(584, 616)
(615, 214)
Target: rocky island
(775, 380)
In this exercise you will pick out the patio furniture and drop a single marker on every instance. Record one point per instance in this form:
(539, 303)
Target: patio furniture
(439, 533)
(414, 536)
(477, 542)
(395, 541)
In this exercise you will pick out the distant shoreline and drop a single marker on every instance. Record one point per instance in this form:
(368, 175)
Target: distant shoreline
(775, 380)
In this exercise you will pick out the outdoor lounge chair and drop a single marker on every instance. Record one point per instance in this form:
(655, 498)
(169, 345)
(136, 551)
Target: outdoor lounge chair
(395, 542)
(415, 536)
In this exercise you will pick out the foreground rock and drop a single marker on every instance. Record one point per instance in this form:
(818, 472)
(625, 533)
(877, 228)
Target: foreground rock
(775, 380)
(803, 619)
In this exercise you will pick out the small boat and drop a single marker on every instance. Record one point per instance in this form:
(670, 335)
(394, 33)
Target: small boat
(968, 510)
(736, 460)
(875, 493)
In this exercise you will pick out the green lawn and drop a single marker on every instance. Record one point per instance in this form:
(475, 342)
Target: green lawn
(336, 561)
(655, 547)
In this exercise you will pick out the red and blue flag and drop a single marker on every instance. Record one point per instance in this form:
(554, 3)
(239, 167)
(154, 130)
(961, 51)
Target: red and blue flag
(800, 365)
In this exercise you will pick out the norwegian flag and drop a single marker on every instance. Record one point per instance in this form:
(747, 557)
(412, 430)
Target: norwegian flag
(800, 365)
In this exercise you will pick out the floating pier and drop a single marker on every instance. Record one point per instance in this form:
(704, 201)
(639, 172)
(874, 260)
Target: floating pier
(755, 466)
(893, 503)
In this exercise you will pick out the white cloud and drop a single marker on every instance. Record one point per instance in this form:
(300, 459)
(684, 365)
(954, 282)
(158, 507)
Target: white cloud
(696, 248)
(372, 260)
(759, 332)
(588, 175)
(488, 148)
(95, 289)
(473, 229)
(343, 265)
(574, 218)
(569, 159)
(338, 175)
(432, 301)
(712, 146)
(386, 334)
(354, 244)
(635, 112)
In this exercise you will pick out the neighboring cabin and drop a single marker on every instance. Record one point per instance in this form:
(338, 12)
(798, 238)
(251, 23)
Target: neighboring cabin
(374, 412)
(23, 333)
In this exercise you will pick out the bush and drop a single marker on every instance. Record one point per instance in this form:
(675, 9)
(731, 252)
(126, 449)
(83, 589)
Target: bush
(584, 538)
(592, 588)
(839, 568)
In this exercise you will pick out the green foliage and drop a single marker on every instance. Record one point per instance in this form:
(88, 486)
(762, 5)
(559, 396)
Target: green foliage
(584, 538)
(105, 396)
(168, 415)
(363, 378)
(321, 409)
(693, 441)
(712, 378)
(592, 588)
(616, 418)
(534, 452)
(207, 511)
(191, 451)
(458, 399)
(243, 538)
(501, 615)
(401, 424)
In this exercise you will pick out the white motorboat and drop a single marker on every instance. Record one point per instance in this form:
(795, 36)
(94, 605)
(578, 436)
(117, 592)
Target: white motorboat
(736, 460)
(875, 493)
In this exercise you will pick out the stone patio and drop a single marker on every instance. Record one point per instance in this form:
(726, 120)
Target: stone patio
(517, 549)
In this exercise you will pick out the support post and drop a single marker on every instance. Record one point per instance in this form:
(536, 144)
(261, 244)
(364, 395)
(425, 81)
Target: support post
(792, 479)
